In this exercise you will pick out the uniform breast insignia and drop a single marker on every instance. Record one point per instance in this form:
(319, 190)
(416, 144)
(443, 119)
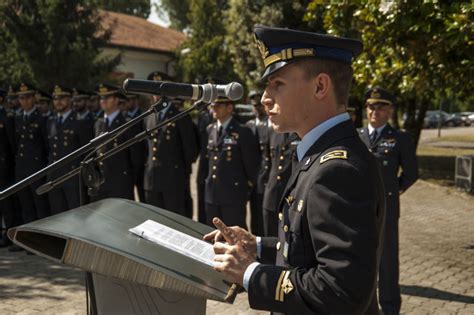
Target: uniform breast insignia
(230, 141)
(337, 154)
(235, 135)
(388, 143)
(284, 286)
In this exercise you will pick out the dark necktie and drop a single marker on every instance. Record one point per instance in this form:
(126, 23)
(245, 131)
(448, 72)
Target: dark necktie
(107, 122)
(219, 132)
(373, 136)
(60, 121)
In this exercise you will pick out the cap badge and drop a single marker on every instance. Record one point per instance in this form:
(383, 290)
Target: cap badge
(23, 87)
(261, 47)
(57, 90)
(103, 89)
(375, 94)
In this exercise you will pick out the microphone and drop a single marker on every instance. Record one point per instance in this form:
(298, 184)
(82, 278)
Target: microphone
(199, 92)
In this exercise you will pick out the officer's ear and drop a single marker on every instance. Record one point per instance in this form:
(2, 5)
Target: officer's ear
(321, 86)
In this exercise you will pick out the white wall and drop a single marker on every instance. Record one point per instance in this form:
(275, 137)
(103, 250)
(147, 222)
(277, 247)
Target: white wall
(141, 63)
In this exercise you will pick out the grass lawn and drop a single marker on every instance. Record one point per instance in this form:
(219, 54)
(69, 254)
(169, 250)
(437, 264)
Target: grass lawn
(426, 150)
(453, 138)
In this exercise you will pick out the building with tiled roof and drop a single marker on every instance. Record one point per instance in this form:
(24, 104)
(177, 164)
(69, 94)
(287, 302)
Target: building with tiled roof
(145, 46)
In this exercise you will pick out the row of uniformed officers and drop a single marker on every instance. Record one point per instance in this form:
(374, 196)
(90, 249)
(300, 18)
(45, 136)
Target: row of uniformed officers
(237, 162)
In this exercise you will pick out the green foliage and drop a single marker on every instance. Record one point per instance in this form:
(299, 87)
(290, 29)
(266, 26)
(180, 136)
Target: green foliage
(52, 41)
(206, 56)
(140, 8)
(420, 50)
(176, 12)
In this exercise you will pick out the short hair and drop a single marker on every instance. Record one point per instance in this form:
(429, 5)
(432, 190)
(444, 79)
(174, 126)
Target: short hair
(340, 74)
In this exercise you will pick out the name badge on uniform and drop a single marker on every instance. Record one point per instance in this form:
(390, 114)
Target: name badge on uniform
(285, 250)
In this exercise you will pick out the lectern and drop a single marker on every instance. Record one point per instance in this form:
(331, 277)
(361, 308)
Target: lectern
(130, 275)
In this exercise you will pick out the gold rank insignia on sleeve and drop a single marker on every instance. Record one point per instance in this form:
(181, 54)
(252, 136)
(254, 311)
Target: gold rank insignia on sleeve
(336, 154)
(284, 286)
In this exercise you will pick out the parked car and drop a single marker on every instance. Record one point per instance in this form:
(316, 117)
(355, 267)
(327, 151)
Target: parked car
(433, 117)
(467, 117)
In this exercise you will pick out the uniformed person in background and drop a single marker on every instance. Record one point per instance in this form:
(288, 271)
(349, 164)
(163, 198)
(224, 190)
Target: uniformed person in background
(118, 168)
(332, 213)
(80, 101)
(132, 110)
(13, 205)
(204, 120)
(44, 103)
(8, 215)
(262, 130)
(66, 133)
(93, 105)
(31, 153)
(13, 102)
(233, 165)
(282, 154)
(396, 155)
(171, 152)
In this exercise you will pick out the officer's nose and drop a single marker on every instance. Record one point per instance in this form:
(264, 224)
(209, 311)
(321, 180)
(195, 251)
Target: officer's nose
(267, 101)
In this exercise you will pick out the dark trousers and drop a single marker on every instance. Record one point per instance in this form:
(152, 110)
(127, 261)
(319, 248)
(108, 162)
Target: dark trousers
(64, 198)
(270, 223)
(139, 185)
(389, 289)
(201, 189)
(162, 200)
(188, 200)
(256, 219)
(33, 206)
(230, 214)
(126, 192)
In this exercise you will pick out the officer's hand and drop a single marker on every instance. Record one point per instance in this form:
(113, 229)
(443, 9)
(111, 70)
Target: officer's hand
(232, 261)
(233, 258)
(232, 235)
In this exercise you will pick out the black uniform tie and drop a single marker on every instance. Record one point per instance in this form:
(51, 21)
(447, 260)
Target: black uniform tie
(60, 121)
(373, 136)
(219, 132)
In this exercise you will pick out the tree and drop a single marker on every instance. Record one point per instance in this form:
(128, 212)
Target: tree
(54, 41)
(140, 8)
(206, 53)
(176, 11)
(421, 51)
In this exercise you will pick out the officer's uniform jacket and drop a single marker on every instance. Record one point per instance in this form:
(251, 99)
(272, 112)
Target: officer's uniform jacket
(204, 119)
(32, 144)
(331, 219)
(233, 164)
(6, 147)
(118, 168)
(262, 131)
(393, 149)
(64, 139)
(282, 150)
(171, 152)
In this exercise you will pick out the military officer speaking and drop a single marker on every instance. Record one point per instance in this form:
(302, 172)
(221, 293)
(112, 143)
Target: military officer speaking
(66, 133)
(233, 165)
(394, 151)
(325, 259)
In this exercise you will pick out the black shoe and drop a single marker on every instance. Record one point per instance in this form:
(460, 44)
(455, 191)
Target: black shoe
(5, 242)
(30, 253)
(14, 248)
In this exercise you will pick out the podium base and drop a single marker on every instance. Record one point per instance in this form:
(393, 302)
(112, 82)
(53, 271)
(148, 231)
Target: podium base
(114, 296)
